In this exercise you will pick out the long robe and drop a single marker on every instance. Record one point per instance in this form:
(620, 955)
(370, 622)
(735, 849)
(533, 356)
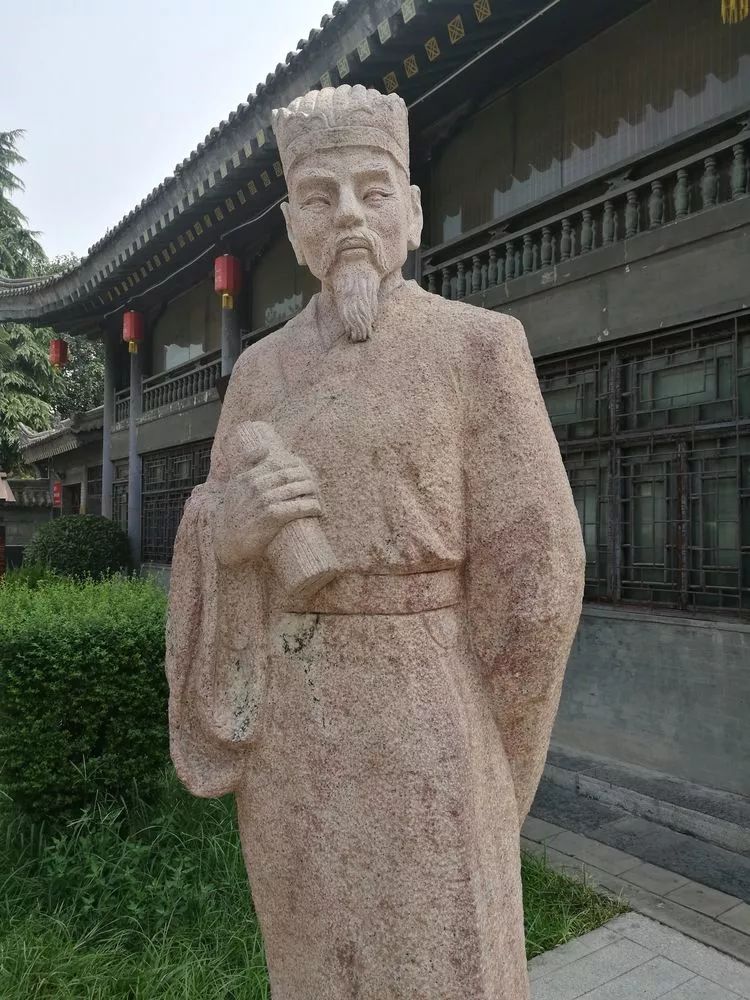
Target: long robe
(384, 751)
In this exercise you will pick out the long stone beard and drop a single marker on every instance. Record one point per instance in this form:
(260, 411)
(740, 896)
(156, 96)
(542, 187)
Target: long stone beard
(355, 286)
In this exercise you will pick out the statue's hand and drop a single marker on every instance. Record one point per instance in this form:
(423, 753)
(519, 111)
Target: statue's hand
(260, 501)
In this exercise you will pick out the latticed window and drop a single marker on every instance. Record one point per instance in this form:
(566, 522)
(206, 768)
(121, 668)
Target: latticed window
(168, 479)
(120, 494)
(94, 489)
(655, 436)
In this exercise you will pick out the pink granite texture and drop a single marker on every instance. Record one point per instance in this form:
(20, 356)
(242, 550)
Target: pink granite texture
(373, 598)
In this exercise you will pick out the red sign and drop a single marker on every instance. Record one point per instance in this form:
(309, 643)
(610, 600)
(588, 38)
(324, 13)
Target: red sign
(57, 494)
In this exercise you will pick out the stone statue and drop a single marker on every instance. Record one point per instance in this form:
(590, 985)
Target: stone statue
(374, 596)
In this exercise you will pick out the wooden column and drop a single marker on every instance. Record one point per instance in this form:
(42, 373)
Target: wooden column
(110, 353)
(230, 336)
(134, 459)
(83, 506)
(228, 284)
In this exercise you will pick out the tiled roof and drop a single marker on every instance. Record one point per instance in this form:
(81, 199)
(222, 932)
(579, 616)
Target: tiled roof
(64, 436)
(235, 173)
(316, 38)
(6, 491)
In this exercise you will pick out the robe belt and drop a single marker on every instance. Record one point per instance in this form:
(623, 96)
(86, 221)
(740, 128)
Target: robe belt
(381, 594)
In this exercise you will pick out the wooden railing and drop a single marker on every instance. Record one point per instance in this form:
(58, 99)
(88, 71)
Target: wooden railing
(188, 380)
(122, 406)
(508, 249)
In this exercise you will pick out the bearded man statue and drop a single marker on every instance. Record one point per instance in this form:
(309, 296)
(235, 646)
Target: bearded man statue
(374, 596)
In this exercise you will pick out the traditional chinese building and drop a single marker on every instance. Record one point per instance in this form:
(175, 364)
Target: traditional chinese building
(584, 166)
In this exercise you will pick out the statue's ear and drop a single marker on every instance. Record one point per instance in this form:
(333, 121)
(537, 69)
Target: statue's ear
(287, 213)
(416, 221)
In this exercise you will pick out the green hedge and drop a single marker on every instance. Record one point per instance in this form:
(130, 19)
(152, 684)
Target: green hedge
(80, 545)
(82, 692)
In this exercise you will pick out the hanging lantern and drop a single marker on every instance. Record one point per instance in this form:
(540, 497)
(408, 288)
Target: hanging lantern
(132, 330)
(227, 279)
(58, 353)
(734, 10)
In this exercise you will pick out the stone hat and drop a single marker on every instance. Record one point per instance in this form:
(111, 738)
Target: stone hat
(342, 116)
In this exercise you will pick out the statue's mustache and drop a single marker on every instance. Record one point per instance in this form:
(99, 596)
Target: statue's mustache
(358, 239)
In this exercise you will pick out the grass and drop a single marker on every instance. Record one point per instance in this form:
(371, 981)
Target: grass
(557, 908)
(153, 904)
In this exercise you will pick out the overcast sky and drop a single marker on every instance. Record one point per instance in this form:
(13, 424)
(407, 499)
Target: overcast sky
(112, 95)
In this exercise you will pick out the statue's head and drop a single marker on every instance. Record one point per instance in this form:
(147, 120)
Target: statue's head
(352, 215)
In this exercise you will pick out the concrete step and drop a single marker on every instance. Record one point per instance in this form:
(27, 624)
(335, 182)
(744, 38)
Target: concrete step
(718, 817)
(693, 858)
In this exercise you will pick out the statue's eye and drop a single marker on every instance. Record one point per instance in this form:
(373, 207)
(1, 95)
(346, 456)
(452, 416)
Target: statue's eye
(316, 201)
(376, 195)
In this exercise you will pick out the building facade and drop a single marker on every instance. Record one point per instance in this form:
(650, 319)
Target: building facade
(585, 167)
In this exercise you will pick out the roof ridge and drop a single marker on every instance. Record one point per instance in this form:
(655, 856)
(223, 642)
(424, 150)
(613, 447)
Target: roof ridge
(12, 286)
(232, 120)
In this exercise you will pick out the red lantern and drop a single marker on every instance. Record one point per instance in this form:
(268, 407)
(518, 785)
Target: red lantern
(132, 330)
(58, 352)
(227, 279)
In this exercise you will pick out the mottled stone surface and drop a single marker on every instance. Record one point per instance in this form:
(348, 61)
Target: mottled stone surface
(383, 724)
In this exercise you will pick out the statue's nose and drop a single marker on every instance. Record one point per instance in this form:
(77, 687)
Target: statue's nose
(349, 211)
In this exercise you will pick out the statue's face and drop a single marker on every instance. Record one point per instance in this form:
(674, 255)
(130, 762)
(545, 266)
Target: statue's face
(349, 205)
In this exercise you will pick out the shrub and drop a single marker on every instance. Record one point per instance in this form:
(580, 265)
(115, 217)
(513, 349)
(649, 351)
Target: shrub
(30, 576)
(80, 545)
(82, 692)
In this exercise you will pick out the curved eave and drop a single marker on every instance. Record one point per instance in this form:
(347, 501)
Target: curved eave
(235, 177)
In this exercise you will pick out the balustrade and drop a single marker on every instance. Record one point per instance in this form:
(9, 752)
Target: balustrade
(122, 406)
(707, 179)
(183, 383)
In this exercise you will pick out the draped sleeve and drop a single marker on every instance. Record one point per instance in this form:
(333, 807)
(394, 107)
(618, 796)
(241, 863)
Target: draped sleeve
(215, 642)
(525, 558)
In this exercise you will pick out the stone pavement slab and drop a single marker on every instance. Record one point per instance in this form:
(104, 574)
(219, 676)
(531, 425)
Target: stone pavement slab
(540, 830)
(738, 917)
(705, 900)
(649, 890)
(591, 971)
(695, 859)
(647, 982)
(699, 989)
(655, 879)
(556, 959)
(635, 958)
(607, 858)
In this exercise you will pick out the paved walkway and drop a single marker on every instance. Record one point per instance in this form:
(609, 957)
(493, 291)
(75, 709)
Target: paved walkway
(714, 918)
(635, 958)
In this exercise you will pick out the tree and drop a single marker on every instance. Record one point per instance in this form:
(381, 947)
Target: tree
(25, 388)
(20, 252)
(25, 374)
(79, 386)
(31, 391)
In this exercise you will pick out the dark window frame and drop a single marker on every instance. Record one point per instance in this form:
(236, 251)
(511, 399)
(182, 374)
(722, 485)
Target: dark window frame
(658, 455)
(169, 477)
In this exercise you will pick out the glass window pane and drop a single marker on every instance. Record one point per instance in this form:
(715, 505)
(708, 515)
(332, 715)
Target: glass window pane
(190, 326)
(280, 286)
(589, 481)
